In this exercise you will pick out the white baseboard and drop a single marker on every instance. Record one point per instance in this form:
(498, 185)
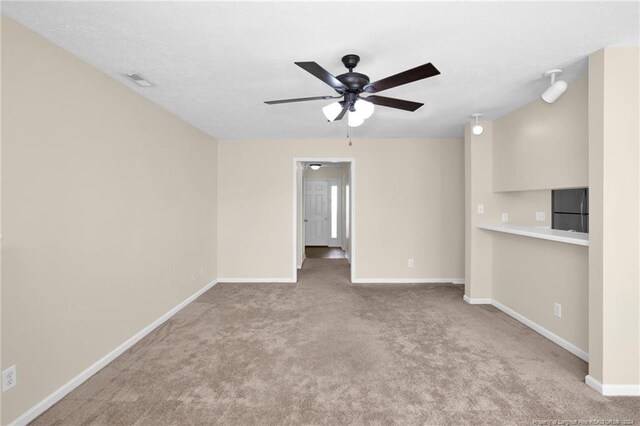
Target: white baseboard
(612, 390)
(255, 280)
(534, 326)
(546, 333)
(408, 281)
(476, 300)
(62, 391)
(304, 257)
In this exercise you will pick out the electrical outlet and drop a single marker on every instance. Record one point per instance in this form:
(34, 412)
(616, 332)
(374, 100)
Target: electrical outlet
(202, 271)
(505, 217)
(557, 310)
(193, 276)
(410, 263)
(9, 378)
(480, 208)
(540, 216)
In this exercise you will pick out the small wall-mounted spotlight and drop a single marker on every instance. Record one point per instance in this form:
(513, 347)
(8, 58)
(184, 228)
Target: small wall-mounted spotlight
(556, 89)
(477, 129)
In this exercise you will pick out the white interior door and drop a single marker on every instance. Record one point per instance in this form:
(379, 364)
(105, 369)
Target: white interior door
(316, 210)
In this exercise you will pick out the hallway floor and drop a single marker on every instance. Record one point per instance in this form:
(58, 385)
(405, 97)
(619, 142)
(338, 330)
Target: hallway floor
(324, 252)
(324, 351)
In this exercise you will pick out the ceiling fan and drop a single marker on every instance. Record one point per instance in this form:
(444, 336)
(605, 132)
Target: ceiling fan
(351, 85)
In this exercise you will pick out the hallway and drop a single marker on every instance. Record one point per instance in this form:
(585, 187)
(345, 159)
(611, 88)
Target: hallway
(322, 252)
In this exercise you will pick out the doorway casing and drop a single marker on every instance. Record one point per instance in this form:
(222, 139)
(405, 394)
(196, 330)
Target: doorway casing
(352, 205)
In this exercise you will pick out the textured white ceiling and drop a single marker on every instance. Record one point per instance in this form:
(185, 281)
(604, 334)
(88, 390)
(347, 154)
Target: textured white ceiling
(215, 63)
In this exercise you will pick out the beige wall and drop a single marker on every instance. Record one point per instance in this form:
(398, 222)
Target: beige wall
(543, 146)
(521, 206)
(530, 275)
(324, 173)
(409, 204)
(614, 251)
(478, 181)
(524, 274)
(109, 206)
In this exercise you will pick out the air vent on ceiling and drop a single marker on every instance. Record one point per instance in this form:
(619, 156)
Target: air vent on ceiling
(137, 79)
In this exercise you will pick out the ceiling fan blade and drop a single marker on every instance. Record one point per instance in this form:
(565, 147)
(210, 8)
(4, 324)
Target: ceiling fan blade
(393, 102)
(314, 98)
(409, 76)
(322, 74)
(345, 108)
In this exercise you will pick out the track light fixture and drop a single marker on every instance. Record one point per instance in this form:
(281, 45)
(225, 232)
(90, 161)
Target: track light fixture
(477, 128)
(556, 89)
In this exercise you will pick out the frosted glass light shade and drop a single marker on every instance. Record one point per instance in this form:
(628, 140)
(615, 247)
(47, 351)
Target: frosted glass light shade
(477, 130)
(364, 108)
(332, 110)
(355, 119)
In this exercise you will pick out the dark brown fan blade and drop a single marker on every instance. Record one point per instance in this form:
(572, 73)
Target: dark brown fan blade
(393, 102)
(345, 108)
(315, 98)
(414, 74)
(322, 74)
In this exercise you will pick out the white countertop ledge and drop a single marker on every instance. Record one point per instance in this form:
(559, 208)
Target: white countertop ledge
(577, 238)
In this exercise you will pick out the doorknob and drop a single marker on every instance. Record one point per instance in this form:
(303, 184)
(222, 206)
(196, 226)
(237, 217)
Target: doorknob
(306, 220)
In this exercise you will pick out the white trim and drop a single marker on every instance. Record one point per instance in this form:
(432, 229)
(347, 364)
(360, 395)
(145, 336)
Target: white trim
(612, 390)
(541, 330)
(63, 390)
(352, 192)
(255, 280)
(476, 300)
(593, 383)
(577, 238)
(409, 281)
(534, 326)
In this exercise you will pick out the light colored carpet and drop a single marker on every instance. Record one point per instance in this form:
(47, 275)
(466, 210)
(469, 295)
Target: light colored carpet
(327, 352)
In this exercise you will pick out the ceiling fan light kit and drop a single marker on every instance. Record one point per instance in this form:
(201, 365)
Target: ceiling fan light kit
(354, 119)
(351, 85)
(332, 110)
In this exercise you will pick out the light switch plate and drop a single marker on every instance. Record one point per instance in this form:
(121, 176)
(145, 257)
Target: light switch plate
(480, 208)
(505, 217)
(541, 216)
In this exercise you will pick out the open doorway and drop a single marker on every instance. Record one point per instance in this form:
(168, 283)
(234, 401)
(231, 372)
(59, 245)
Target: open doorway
(323, 208)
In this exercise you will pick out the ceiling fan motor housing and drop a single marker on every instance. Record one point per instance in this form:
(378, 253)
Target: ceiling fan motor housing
(354, 81)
